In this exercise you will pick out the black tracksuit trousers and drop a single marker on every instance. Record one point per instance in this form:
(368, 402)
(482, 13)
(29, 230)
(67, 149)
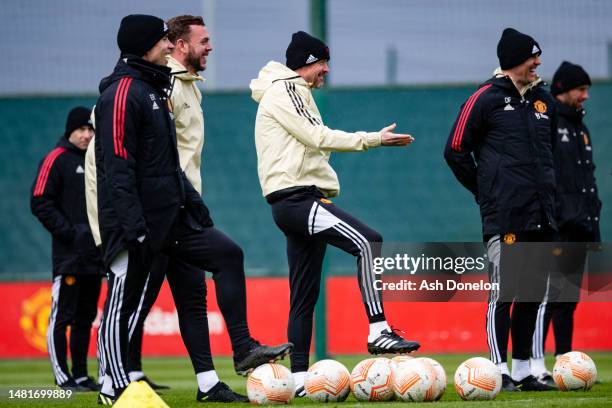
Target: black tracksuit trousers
(177, 271)
(74, 303)
(563, 292)
(148, 298)
(149, 295)
(190, 252)
(520, 266)
(310, 222)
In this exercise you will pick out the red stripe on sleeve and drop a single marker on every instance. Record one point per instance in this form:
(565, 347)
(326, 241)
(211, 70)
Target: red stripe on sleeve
(115, 115)
(119, 116)
(122, 120)
(45, 169)
(465, 113)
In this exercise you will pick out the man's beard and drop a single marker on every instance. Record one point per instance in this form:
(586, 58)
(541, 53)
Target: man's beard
(194, 62)
(576, 104)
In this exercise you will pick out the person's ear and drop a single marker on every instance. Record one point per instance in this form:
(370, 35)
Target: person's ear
(181, 45)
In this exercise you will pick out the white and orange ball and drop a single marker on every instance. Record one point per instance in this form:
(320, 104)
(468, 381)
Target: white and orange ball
(400, 358)
(270, 384)
(413, 380)
(327, 381)
(439, 383)
(478, 379)
(371, 380)
(574, 371)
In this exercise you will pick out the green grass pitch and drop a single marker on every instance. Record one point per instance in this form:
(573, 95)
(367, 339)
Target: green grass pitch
(177, 373)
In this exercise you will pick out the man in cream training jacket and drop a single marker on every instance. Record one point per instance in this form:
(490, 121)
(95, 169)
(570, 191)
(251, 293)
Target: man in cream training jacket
(293, 149)
(192, 45)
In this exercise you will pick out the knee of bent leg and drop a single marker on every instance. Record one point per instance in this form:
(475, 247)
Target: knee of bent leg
(373, 236)
(232, 251)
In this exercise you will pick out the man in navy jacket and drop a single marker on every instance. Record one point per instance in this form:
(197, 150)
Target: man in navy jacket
(578, 210)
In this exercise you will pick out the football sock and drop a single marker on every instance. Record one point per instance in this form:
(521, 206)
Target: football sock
(299, 378)
(520, 369)
(537, 366)
(207, 380)
(503, 368)
(135, 375)
(107, 386)
(376, 329)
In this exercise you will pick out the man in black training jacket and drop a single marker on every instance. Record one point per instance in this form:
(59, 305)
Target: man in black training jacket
(58, 201)
(501, 149)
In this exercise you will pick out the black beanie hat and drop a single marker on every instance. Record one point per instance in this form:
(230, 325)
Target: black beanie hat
(77, 117)
(138, 33)
(567, 77)
(514, 48)
(304, 49)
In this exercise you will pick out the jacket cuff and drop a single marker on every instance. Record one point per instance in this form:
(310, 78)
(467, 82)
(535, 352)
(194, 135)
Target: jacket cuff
(373, 139)
(133, 235)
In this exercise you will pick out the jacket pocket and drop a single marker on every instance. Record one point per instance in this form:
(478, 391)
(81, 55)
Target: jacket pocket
(487, 180)
(83, 243)
(302, 162)
(517, 187)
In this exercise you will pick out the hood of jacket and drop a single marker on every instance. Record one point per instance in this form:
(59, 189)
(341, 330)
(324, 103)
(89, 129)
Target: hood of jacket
(270, 73)
(179, 71)
(135, 67)
(498, 73)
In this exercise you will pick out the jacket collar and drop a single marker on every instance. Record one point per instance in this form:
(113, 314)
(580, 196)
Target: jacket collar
(136, 67)
(273, 72)
(65, 143)
(180, 71)
(498, 73)
(574, 115)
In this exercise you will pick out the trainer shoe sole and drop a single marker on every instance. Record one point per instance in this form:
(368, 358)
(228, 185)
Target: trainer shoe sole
(375, 350)
(104, 399)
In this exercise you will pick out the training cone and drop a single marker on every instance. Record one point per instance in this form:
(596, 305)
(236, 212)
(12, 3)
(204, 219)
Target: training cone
(140, 395)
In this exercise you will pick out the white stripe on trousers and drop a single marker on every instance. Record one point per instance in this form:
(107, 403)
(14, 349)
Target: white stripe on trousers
(136, 315)
(101, 355)
(493, 252)
(321, 219)
(537, 342)
(112, 342)
(107, 329)
(60, 376)
(364, 282)
(131, 327)
(367, 275)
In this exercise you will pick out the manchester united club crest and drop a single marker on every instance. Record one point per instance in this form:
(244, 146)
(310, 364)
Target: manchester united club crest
(540, 106)
(509, 239)
(34, 319)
